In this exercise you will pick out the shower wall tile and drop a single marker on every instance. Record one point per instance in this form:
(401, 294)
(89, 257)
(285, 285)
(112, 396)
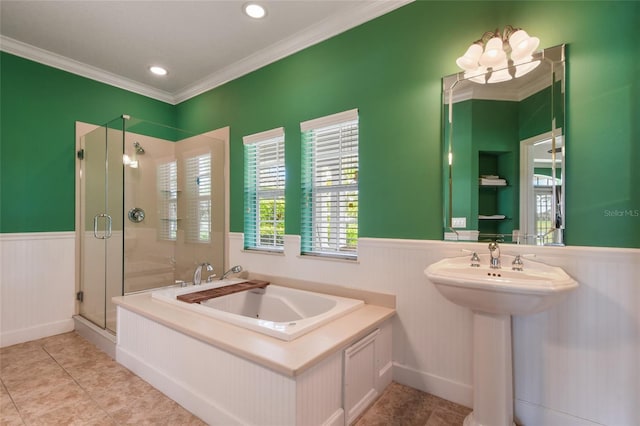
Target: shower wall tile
(37, 285)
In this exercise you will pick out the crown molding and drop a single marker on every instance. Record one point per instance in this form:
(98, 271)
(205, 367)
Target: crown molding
(317, 33)
(54, 60)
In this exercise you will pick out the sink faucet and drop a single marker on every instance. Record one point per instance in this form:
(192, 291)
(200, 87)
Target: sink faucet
(197, 274)
(494, 250)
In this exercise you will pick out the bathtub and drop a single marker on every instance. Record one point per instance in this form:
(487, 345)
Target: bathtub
(281, 312)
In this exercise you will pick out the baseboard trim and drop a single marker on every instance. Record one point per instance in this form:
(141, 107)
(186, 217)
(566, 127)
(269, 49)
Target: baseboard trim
(527, 413)
(39, 331)
(103, 339)
(336, 419)
(459, 393)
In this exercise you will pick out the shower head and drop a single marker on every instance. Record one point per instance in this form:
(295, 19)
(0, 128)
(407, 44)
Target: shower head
(139, 148)
(236, 269)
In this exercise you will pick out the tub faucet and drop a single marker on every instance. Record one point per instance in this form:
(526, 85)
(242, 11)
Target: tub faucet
(494, 250)
(236, 269)
(197, 274)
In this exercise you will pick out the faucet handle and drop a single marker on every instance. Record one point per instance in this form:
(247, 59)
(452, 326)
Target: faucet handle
(517, 264)
(211, 277)
(475, 260)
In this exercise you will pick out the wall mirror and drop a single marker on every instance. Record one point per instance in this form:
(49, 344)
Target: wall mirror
(504, 149)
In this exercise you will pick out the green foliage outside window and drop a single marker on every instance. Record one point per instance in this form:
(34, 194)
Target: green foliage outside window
(271, 222)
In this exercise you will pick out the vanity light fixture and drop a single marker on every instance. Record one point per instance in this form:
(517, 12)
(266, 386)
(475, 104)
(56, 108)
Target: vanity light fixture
(497, 57)
(254, 10)
(158, 70)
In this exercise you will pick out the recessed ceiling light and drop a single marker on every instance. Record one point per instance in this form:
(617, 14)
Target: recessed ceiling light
(158, 70)
(254, 10)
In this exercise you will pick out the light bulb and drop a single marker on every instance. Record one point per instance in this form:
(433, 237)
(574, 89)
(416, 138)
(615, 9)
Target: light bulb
(158, 70)
(254, 10)
(500, 72)
(499, 76)
(477, 75)
(522, 45)
(493, 54)
(469, 61)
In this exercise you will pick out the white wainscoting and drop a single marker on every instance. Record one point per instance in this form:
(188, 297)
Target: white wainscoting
(576, 364)
(224, 389)
(37, 285)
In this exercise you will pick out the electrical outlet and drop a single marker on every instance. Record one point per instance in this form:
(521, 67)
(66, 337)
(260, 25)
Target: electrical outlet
(459, 222)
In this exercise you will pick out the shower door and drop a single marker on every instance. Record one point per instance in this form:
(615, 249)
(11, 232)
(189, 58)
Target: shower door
(101, 198)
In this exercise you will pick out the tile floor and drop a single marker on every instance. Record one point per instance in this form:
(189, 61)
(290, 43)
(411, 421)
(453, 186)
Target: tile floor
(65, 380)
(401, 405)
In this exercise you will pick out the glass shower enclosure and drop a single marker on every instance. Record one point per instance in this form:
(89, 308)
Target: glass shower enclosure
(151, 209)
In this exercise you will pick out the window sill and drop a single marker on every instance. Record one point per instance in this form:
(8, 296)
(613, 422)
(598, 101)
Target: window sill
(263, 251)
(342, 259)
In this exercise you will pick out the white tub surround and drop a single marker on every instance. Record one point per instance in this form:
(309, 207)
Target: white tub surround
(231, 375)
(288, 358)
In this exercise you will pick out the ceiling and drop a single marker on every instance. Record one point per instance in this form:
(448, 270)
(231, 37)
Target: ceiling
(202, 44)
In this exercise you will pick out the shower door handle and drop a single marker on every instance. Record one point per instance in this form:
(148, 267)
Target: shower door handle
(107, 231)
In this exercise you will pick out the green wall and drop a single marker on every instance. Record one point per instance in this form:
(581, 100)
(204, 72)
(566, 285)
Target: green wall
(464, 173)
(389, 68)
(39, 108)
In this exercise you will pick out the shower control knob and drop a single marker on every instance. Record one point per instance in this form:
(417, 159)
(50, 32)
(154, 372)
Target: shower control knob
(136, 215)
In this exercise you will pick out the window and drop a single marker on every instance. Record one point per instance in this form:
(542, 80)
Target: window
(543, 214)
(167, 184)
(330, 185)
(198, 193)
(264, 180)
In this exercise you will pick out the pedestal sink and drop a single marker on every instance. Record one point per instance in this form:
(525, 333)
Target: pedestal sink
(494, 294)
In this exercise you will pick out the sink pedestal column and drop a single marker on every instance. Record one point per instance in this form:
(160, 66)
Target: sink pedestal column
(492, 371)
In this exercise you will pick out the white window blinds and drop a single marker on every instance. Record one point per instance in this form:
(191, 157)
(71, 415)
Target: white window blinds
(264, 181)
(198, 198)
(330, 185)
(167, 185)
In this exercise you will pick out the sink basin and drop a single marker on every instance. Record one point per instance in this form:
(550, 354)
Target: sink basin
(500, 291)
(494, 295)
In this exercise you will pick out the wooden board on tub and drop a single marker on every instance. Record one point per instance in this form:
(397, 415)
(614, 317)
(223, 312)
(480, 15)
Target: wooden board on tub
(201, 296)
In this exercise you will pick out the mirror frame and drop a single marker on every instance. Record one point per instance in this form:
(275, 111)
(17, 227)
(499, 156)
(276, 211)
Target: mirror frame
(555, 58)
